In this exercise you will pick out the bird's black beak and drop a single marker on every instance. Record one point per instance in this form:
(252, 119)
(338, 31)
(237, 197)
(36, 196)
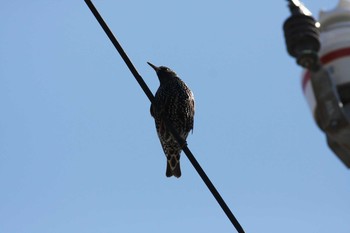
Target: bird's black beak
(156, 68)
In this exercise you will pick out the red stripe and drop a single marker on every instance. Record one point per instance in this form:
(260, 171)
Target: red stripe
(325, 59)
(335, 55)
(306, 79)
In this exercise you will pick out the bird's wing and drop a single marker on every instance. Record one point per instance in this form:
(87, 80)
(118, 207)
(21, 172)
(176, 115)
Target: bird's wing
(151, 109)
(192, 111)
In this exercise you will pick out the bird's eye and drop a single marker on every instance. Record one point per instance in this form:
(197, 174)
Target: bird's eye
(163, 68)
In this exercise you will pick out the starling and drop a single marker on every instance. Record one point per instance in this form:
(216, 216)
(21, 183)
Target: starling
(173, 101)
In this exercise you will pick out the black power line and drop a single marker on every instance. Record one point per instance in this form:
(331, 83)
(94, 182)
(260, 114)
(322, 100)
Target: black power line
(180, 140)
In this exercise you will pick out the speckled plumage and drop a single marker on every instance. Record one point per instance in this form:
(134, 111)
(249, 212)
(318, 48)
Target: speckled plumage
(173, 101)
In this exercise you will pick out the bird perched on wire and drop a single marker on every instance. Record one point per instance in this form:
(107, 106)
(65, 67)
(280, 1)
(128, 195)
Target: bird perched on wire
(174, 101)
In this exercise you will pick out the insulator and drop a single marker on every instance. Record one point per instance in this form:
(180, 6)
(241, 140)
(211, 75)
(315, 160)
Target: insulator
(301, 35)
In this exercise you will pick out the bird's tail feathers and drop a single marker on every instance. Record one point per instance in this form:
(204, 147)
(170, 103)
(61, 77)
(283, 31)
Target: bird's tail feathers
(173, 167)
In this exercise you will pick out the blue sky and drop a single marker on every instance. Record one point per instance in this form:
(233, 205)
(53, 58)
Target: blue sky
(78, 147)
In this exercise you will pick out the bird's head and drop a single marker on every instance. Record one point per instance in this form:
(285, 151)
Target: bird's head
(164, 73)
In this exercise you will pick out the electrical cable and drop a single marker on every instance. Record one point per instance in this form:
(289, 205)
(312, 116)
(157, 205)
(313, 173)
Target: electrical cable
(180, 140)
